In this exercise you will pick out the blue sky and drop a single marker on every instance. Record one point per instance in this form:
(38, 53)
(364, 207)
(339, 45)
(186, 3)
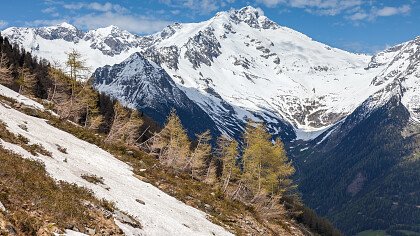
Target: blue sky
(355, 25)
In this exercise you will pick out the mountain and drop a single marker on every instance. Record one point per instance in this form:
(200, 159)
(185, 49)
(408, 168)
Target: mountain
(235, 66)
(144, 85)
(349, 121)
(367, 165)
(99, 47)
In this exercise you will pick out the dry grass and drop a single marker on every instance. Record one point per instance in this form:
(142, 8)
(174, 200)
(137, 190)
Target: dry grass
(23, 142)
(93, 179)
(33, 199)
(234, 215)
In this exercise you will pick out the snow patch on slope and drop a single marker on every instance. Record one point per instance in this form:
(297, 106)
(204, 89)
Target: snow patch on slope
(6, 92)
(161, 214)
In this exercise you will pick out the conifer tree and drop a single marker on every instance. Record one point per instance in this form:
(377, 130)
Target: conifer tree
(200, 156)
(6, 76)
(211, 173)
(58, 79)
(227, 152)
(77, 67)
(96, 122)
(172, 143)
(26, 81)
(131, 129)
(88, 100)
(265, 162)
(118, 122)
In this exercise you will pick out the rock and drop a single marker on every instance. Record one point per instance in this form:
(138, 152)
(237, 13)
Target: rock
(130, 153)
(140, 201)
(208, 207)
(90, 231)
(127, 219)
(2, 208)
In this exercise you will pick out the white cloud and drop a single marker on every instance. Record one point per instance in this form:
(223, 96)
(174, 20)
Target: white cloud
(92, 15)
(271, 3)
(95, 6)
(355, 10)
(358, 16)
(381, 12)
(3, 24)
(132, 23)
(49, 10)
(37, 23)
(390, 11)
(198, 6)
(323, 7)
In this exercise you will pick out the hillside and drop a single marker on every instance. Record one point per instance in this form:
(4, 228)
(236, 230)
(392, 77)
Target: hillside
(156, 212)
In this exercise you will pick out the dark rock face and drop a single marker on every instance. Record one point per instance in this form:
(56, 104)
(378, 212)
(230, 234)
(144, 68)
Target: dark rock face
(113, 43)
(202, 48)
(63, 31)
(168, 56)
(253, 18)
(147, 87)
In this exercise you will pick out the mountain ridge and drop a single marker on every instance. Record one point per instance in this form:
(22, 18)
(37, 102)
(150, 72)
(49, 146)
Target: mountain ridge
(188, 51)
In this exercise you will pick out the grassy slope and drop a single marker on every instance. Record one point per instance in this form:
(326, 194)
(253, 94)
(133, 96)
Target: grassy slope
(233, 215)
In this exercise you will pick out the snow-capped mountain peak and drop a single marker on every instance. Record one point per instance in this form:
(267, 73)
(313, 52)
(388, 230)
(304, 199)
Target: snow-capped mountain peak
(66, 25)
(254, 17)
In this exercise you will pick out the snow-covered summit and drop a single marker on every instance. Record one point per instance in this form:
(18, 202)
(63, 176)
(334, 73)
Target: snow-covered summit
(112, 40)
(400, 74)
(254, 17)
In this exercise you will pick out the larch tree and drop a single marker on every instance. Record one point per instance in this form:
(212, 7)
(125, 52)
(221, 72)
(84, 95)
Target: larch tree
(6, 76)
(58, 79)
(88, 103)
(265, 162)
(132, 127)
(26, 81)
(227, 152)
(172, 143)
(200, 157)
(77, 68)
(118, 121)
(125, 125)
